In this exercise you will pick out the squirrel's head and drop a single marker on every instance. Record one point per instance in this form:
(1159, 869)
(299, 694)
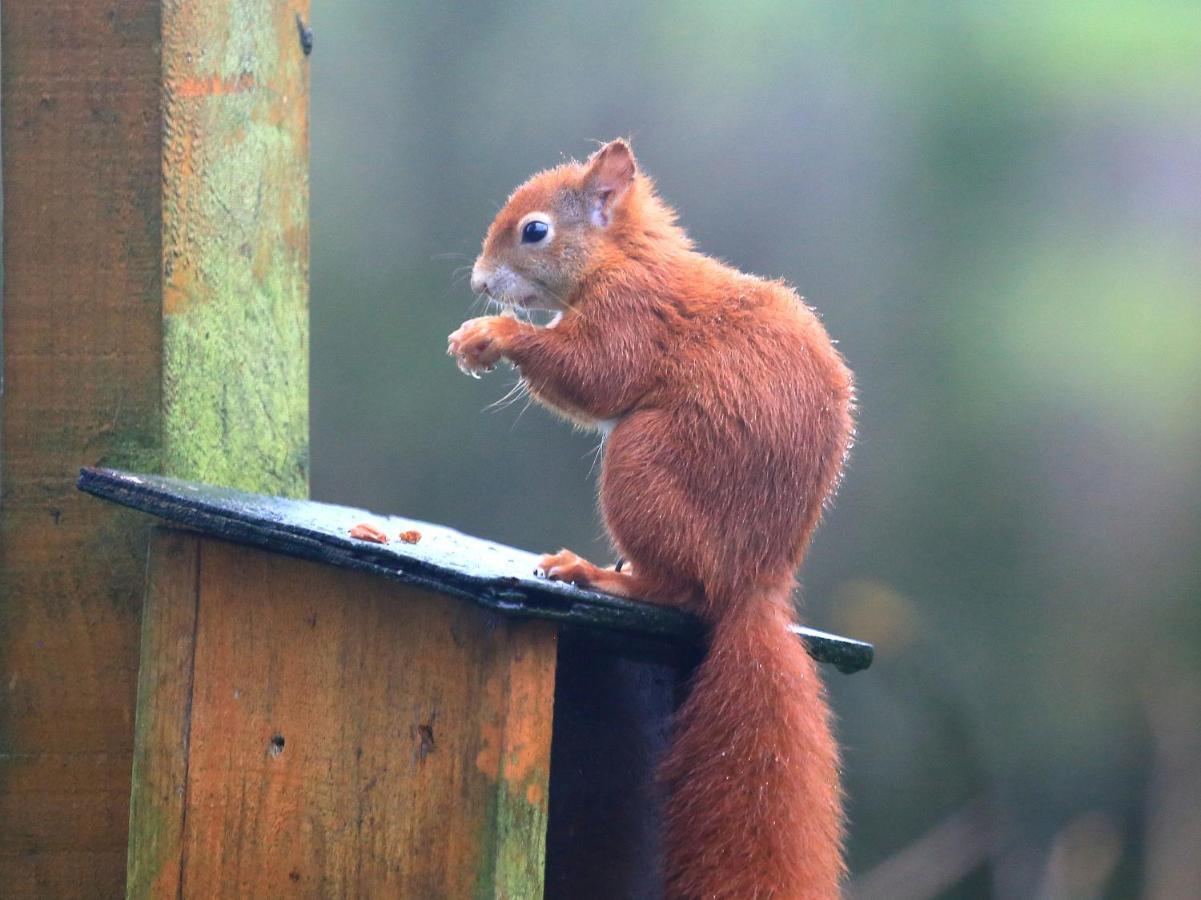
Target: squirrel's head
(558, 227)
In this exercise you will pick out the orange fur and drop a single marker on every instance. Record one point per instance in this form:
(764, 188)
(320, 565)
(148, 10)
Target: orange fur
(732, 415)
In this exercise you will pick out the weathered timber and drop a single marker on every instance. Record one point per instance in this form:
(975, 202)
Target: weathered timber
(235, 243)
(305, 730)
(155, 267)
(160, 762)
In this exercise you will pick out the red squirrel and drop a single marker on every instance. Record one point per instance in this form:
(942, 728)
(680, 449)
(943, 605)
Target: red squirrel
(728, 415)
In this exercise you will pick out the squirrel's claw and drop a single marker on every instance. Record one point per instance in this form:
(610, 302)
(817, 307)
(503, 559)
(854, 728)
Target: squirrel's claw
(566, 566)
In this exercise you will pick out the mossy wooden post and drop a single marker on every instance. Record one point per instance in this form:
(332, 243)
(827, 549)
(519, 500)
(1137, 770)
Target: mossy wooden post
(155, 178)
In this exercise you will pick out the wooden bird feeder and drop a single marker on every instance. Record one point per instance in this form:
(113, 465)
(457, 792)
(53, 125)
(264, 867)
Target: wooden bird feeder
(323, 716)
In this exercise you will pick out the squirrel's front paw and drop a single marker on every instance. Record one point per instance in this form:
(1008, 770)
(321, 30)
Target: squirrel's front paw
(478, 344)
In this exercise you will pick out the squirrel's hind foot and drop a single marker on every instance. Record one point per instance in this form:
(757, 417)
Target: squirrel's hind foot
(568, 566)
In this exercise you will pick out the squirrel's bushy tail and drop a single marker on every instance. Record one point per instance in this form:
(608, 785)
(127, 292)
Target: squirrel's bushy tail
(754, 806)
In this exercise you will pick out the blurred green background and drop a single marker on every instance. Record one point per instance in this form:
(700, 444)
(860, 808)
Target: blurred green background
(997, 209)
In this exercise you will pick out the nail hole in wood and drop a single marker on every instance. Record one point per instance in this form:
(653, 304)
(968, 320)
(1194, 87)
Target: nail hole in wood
(425, 733)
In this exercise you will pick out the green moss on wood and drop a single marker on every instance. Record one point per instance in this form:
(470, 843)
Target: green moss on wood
(235, 254)
(521, 837)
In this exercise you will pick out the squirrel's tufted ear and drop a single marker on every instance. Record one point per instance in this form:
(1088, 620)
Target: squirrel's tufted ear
(610, 172)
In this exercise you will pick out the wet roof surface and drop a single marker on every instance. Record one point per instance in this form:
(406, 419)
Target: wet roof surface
(493, 575)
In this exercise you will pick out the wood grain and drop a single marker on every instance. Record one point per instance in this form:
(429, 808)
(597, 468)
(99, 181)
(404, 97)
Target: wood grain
(79, 87)
(524, 784)
(350, 737)
(161, 737)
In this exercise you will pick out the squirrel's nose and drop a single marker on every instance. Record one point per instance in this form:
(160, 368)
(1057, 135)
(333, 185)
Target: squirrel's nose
(479, 281)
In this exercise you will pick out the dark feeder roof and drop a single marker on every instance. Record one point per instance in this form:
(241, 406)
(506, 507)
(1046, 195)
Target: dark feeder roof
(492, 575)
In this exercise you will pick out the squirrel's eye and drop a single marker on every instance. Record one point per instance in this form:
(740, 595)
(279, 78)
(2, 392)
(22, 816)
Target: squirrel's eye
(534, 231)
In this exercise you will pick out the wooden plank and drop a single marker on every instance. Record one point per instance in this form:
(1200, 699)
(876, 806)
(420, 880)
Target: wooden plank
(523, 787)
(354, 737)
(161, 732)
(51, 873)
(110, 217)
(79, 94)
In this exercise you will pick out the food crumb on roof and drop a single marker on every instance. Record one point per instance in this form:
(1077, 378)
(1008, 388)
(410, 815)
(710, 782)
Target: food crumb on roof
(366, 532)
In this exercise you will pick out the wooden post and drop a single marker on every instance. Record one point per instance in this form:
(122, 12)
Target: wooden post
(304, 730)
(155, 157)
